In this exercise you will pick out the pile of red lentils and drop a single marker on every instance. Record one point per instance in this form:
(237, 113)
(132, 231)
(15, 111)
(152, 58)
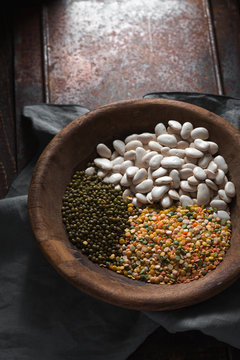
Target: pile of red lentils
(170, 246)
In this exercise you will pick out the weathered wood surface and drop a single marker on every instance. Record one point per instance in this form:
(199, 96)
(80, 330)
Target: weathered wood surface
(8, 166)
(124, 49)
(155, 51)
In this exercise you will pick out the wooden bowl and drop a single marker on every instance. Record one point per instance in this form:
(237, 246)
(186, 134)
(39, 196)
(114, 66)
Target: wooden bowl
(71, 149)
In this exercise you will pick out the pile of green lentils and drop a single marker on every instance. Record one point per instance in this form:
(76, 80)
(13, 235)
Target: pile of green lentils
(151, 244)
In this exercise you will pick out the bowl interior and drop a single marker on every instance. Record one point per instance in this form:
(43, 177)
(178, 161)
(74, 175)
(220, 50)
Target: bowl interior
(71, 149)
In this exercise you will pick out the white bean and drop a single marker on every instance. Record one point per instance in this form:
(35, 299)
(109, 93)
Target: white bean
(159, 191)
(131, 138)
(211, 184)
(173, 194)
(199, 173)
(126, 193)
(125, 165)
(117, 187)
(140, 152)
(205, 160)
(213, 147)
(186, 130)
(175, 125)
(193, 153)
(119, 146)
(141, 198)
(171, 131)
(115, 178)
(117, 160)
(201, 144)
(160, 128)
(193, 181)
(159, 172)
(172, 162)
(176, 152)
(102, 173)
(140, 175)
(136, 203)
(200, 133)
(176, 178)
(104, 151)
(155, 161)
(146, 158)
(186, 201)
(116, 168)
(230, 189)
(185, 173)
(149, 172)
(182, 144)
(212, 166)
(188, 165)
(185, 186)
(223, 196)
(218, 204)
(166, 201)
(106, 179)
(210, 174)
(221, 163)
(203, 194)
(154, 145)
(163, 180)
(145, 186)
(219, 177)
(132, 145)
(167, 140)
(103, 164)
(90, 171)
(130, 155)
(222, 215)
(131, 171)
(149, 197)
(114, 155)
(165, 150)
(146, 137)
(125, 181)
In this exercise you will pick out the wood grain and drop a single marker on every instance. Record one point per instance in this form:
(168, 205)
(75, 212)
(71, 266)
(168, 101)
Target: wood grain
(72, 148)
(28, 74)
(226, 21)
(7, 121)
(98, 52)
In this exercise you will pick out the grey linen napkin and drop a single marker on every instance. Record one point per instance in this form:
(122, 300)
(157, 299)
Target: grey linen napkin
(44, 317)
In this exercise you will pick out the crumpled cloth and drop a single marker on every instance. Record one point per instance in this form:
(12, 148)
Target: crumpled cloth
(42, 316)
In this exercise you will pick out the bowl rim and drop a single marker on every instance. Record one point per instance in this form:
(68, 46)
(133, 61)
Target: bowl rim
(163, 300)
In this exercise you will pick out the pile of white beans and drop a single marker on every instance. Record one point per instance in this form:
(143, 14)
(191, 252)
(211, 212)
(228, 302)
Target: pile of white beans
(177, 163)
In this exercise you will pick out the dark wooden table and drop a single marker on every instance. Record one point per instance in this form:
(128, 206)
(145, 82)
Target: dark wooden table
(94, 52)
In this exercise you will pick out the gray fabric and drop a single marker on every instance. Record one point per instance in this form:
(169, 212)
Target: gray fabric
(44, 317)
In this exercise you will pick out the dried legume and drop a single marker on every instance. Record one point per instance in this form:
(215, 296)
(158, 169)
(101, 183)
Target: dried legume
(95, 216)
(171, 246)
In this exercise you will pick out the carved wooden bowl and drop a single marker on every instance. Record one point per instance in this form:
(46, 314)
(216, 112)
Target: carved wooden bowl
(71, 149)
